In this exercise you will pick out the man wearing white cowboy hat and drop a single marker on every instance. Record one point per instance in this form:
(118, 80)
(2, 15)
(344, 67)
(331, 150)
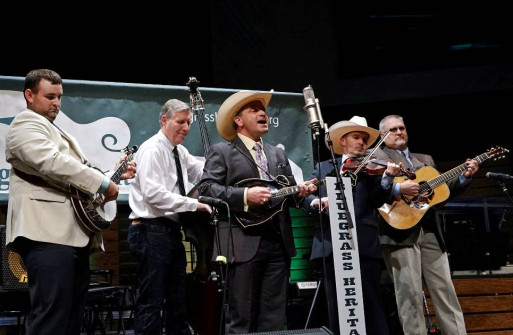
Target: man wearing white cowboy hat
(258, 251)
(351, 140)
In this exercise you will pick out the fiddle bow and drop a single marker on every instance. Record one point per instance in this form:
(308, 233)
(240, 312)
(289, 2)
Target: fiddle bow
(365, 162)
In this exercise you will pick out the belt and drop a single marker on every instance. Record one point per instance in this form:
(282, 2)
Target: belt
(160, 220)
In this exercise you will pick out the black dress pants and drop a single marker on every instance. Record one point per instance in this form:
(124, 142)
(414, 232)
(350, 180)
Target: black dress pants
(58, 278)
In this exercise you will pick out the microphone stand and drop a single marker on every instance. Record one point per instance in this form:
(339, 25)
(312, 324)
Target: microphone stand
(316, 140)
(221, 262)
(323, 279)
(505, 189)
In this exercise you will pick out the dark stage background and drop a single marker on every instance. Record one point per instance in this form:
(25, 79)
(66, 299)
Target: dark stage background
(434, 64)
(447, 68)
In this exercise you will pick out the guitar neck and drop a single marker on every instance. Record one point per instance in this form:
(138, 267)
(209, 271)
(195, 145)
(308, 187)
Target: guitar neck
(453, 173)
(119, 171)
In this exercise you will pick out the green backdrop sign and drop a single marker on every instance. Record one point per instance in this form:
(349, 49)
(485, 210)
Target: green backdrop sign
(105, 117)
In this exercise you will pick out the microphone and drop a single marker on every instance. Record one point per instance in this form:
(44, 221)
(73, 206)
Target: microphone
(313, 109)
(211, 201)
(498, 176)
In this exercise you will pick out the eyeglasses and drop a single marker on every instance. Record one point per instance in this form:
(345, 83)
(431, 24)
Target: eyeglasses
(395, 129)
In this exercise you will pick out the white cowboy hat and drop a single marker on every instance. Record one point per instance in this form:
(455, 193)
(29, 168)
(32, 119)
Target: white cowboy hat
(356, 123)
(232, 105)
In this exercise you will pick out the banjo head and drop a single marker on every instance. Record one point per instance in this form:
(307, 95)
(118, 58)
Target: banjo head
(109, 211)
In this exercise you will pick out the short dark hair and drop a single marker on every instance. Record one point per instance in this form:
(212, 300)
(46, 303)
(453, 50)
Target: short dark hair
(34, 77)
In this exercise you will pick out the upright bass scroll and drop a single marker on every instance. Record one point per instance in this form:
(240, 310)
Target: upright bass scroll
(198, 108)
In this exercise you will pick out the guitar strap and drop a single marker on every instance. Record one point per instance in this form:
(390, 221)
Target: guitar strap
(38, 181)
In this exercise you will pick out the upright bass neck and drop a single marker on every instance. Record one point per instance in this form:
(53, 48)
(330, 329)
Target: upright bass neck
(202, 294)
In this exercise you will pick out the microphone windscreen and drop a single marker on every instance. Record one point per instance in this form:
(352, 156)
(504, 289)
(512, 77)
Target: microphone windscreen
(309, 94)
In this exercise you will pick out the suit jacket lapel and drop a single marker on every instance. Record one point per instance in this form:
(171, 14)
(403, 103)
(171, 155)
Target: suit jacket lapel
(72, 143)
(271, 160)
(397, 157)
(239, 145)
(417, 164)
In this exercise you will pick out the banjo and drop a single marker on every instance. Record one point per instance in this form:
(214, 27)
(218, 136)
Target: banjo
(92, 213)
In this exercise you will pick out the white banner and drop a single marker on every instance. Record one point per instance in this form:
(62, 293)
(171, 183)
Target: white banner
(106, 117)
(345, 258)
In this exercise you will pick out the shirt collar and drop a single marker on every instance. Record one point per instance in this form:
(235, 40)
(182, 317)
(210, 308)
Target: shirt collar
(249, 142)
(167, 143)
(406, 152)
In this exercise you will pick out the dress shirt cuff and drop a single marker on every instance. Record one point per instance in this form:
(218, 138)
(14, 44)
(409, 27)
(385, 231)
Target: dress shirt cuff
(246, 207)
(396, 189)
(314, 201)
(464, 181)
(105, 185)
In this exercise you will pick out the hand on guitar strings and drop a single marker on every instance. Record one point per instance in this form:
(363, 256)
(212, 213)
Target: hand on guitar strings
(130, 171)
(113, 190)
(409, 187)
(472, 167)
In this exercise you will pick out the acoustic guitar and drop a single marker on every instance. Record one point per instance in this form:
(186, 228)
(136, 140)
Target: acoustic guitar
(406, 212)
(91, 212)
(258, 215)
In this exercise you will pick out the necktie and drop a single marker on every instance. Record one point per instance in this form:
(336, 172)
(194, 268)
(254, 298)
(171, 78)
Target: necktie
(261, 161)
(179, 172)
(407, 158)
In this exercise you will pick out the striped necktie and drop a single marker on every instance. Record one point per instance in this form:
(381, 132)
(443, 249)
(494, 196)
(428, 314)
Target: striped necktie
(261, 161)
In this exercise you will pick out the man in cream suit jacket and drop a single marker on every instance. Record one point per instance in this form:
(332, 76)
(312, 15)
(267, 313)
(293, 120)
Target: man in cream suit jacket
(41, 223)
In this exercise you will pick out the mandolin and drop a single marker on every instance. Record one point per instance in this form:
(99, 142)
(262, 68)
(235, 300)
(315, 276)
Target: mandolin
(259, 215)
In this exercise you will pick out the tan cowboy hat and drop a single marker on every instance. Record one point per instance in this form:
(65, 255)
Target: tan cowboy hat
(232, 105)
(339, 129)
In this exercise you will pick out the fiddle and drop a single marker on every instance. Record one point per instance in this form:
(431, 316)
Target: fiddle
(372, 167)
(369, 166)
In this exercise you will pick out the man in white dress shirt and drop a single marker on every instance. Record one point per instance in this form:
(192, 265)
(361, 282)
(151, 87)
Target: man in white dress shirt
(157, 196)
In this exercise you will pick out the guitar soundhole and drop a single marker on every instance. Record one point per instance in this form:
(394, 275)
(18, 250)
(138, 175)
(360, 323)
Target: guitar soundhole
(426, 193)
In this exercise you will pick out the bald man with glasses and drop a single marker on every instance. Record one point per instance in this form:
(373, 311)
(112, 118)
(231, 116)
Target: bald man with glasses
(419, 253)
